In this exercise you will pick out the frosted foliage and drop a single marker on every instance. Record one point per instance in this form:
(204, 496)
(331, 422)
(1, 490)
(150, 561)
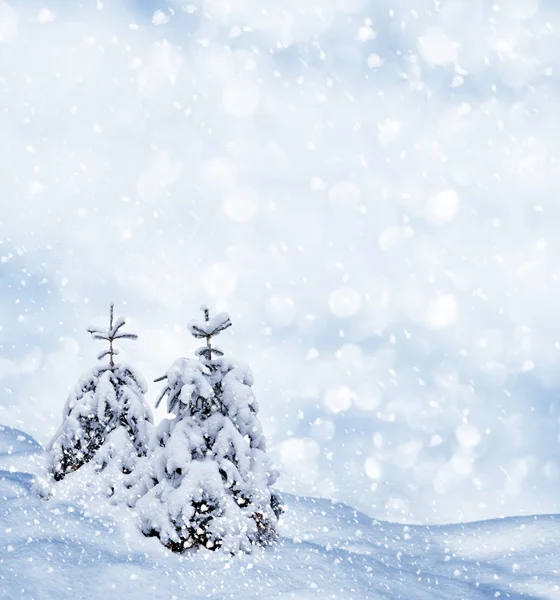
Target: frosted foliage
(105, 420)
(186, 379)
(200, 328)
(206, 481)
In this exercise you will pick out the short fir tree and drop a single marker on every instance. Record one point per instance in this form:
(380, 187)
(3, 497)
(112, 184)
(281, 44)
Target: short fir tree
(207, 479)
(106, 421)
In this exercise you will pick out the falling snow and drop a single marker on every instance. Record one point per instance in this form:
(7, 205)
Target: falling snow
(368, 188)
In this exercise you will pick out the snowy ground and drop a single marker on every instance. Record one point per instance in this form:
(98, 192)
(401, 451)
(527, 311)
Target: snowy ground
(57, 550)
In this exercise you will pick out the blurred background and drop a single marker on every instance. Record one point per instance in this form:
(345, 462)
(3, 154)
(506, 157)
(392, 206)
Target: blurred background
(369, 188)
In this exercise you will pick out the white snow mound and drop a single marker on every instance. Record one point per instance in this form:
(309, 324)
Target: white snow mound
(54, 549)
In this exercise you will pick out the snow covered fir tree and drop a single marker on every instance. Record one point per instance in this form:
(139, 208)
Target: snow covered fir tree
(207, 479)
(106, 421)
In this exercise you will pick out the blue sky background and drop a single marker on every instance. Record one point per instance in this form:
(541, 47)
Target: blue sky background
(369, 188)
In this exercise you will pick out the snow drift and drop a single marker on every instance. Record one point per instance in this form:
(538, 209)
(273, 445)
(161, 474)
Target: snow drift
(57, 549)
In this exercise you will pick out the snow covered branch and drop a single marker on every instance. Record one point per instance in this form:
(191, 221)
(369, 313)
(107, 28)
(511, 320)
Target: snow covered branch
(110, 334)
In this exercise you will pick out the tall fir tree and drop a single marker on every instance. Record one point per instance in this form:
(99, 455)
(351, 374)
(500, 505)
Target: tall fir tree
(106, 421)
(207, 478)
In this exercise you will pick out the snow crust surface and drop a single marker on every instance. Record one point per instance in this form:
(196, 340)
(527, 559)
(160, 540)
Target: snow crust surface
(326, 550)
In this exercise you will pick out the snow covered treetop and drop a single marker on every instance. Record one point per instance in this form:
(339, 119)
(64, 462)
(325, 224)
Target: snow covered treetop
(209, 326)
(111, 333)
(207, 329)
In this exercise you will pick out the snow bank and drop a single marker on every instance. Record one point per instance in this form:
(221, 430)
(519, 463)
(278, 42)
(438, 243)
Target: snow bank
(326, 550)
(18, 450)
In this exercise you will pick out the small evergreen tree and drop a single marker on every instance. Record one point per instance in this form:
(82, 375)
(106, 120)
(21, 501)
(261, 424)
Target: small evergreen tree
(106, 420)
(207, 480)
